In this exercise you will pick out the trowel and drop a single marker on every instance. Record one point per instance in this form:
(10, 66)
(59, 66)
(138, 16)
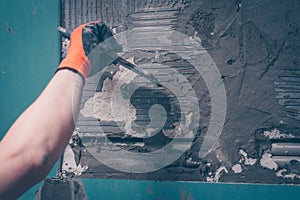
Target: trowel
(119, 60)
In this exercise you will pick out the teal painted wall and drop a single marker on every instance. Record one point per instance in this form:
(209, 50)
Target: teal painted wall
(149, 190)
(28, 57)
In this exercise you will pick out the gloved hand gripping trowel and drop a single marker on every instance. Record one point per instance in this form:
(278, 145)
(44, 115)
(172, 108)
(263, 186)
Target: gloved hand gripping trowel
(119, 60)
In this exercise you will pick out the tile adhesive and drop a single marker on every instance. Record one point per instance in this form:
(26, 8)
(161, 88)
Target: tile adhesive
(258, 61)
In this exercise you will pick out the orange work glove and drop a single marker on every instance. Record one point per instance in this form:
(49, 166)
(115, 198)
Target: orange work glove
(84, 39)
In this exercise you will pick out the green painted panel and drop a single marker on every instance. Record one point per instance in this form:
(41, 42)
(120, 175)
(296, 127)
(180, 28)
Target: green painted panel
(149, 190)
(29, 54)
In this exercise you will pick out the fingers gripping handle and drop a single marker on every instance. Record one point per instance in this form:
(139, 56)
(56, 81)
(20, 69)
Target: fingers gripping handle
(119, 61)
(76, 58)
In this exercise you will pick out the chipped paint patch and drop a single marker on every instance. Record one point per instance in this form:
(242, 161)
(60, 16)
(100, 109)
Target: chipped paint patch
(111, 106)
(275, 134)
(267, 162)
(9, 28)
(237, 168)
(245, 159)
(215, 178)
(69, 164)
(284, 174)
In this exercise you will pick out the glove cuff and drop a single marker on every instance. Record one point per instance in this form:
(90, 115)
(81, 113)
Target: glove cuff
(72, 70)
(82, 65)
(76, 57)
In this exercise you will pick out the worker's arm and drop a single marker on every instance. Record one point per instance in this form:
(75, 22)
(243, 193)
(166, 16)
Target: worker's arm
(38, 137)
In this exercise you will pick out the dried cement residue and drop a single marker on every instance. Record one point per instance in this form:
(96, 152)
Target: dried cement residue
(275, 134)
(284, 174)
(267, 162)
(109, 105)
(215, 178)
(244, 160)
(69, 164)
(247, 160)
(237, 168)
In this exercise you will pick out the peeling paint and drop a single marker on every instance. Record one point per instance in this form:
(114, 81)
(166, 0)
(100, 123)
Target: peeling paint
(217, 175)
(69, 164)
(284, 174)
(246, 160)
(267, 162)
(275, 134)
(237, 168)
(108, 106)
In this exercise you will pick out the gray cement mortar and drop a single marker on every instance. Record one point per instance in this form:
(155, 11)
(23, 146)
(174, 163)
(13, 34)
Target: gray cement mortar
(255, 45)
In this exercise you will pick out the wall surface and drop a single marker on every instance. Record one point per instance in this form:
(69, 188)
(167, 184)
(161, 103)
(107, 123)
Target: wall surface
(243, 73)
(29, 55)
(149, 190)
(28, 34)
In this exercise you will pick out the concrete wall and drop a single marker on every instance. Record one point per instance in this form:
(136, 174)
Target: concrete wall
(20, 18)
(254, 47)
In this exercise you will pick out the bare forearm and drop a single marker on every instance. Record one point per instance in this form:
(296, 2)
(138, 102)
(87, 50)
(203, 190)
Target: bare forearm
(41, 133)
(38, 137)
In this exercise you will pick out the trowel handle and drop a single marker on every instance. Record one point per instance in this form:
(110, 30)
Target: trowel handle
(119, 60)
(64, 32)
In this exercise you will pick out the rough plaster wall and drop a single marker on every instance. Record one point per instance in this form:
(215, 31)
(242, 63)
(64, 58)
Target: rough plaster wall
(100, 105)
(255, 45)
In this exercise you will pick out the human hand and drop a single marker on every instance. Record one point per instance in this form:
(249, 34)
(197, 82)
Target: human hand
(92, 47)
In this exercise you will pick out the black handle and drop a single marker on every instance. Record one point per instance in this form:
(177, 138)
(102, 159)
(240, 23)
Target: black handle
(120, 61)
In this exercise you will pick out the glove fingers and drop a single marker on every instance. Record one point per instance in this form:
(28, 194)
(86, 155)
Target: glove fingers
(95, 33)
(105, 35)
(89, 38)
(103, 32)
(91, 43)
